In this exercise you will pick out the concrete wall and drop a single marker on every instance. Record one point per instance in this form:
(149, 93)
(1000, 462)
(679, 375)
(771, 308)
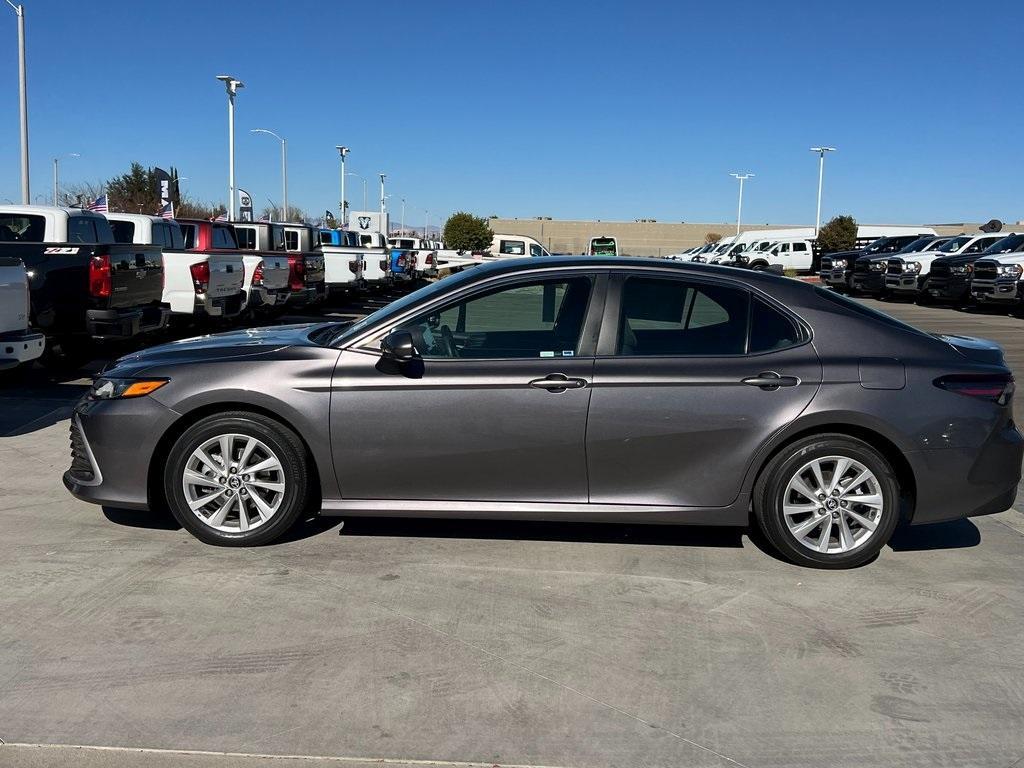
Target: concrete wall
(644, 238)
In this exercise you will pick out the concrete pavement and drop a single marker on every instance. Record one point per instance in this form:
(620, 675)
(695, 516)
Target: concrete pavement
(456, 642)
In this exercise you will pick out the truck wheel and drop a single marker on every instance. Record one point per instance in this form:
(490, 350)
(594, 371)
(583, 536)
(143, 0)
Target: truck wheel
(827, 501)
(236, 479)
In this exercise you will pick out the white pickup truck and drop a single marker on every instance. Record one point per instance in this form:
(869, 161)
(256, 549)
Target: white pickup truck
(906, 275)
(346, 260)
(376, 259)
(998, 276)
(795, 254)
(18, 343)
(197, 284)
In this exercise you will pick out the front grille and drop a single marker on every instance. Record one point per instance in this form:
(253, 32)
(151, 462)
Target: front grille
(826, 263)
(860, 266)
(81, 466)
(895, 266)
(986, 270)
(940, 269)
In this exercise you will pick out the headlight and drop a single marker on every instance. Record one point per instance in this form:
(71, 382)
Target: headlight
(837, 263)
(912, 266)
(113, 389)
(1010, 269)
(698, 258)
(877, 266)
(962, 269)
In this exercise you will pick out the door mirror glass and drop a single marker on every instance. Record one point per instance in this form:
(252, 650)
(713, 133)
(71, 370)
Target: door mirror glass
(398, 346)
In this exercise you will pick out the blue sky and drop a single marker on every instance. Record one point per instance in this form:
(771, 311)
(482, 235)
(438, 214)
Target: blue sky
(566, 109)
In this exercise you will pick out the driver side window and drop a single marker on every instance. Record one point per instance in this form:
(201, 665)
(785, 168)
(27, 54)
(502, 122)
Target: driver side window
(525, 320)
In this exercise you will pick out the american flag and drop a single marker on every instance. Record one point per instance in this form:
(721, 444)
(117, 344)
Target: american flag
(99, 205)
(167, 212)
(222, 217)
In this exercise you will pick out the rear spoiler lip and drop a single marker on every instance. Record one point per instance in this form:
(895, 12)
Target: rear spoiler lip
(974, 348)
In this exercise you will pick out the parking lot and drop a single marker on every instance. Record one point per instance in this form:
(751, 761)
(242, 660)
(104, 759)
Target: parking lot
(453, 643)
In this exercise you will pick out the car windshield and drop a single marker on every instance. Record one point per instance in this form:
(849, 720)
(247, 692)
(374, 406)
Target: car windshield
(918, 245)
(877, 245)
(1009, 244)
(955, 244)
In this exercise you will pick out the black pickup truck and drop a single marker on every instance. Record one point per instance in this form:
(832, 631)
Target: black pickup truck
(81, 283)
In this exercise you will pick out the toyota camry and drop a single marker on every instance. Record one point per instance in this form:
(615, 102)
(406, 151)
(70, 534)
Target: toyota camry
(583, 388)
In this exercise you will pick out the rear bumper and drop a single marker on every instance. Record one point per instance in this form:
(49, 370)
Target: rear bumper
(311, 294)
(967, 482)
(20, 347)
(222, 306)
(111, 324)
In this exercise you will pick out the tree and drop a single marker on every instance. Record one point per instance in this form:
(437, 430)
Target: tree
(466, 232)
(134, 192)
(186, 208)
(712, 237)
(273, 213)
(840, 234)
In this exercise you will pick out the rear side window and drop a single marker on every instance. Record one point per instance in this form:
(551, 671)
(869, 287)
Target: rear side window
(188, 231)
(674, 317)
(177, 237)
(246, 238)
(802, 247)
(224, 237)
(512, 247)
(82, 230)
(291, 240)
(770, 329)
(124, 231)
(16, 228)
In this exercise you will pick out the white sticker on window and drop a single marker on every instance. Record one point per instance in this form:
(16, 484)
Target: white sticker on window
(547, 354)
(568, 352)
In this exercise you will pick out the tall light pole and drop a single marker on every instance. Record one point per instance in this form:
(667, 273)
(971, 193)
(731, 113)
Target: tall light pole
(426, 222)
(56, 176)
(821, 175)
(350, 173)
(284, 168)
(741, 177)
(342, 208)
(402, 225)
(232, 84)
(22, 101)
(383, 204)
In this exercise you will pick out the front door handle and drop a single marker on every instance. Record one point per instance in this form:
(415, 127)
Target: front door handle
(770, 381)
(558, 382)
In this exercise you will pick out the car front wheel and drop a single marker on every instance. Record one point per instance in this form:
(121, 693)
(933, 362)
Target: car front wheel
(828, 501)
(236, 479)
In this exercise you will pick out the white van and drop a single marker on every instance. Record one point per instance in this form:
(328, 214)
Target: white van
(515, 247)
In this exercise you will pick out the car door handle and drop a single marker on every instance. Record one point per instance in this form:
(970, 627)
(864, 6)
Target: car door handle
(770, 380)
(558, 382)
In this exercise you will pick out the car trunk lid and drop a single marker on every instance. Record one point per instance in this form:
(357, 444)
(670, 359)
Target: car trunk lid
(973, 348)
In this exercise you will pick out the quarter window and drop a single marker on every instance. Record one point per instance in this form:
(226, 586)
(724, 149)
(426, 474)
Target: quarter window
(526, 320)
(674, 317)
(291, 240)
(512, 247)
(246, 238)
(770, 329)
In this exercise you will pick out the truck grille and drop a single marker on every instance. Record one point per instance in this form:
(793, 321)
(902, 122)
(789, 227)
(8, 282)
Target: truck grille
(860, 267)
(940, 269)
(826, 263)
(894, 267)
(81, 466)
(986, 270)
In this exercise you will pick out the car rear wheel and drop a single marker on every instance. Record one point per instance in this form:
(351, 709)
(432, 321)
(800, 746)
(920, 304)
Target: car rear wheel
(828, 501)
(236, 479)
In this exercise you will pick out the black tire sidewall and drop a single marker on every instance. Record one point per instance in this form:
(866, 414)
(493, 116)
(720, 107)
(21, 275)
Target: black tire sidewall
(771, 485)
(282, 441)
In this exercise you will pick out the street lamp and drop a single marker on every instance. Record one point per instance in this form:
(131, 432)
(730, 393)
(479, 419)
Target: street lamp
(426, 222)
(56, 177)
(284, 167)
(402, 225)
(383, 204)
(821, 175)
(22, 101)
(232, 84)
(741, 177)
(350, 173)
(342, 208)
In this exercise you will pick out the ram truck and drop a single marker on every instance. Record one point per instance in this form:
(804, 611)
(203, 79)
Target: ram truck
(83, 285)
(998, 276)
(837, 269)
(909, 275)
(305, 268)
(197, 283)
(19, 344)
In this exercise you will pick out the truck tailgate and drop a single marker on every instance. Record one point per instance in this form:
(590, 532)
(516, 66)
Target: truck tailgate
(275, 270)
(227, 271)
(136, 274)
(314, 268)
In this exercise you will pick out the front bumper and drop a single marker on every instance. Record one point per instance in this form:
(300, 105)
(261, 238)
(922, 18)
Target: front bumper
(952, 288)
(903, 283)
(869, 282)
(113, 443)
(20, 347)
(835, 277)
(110, 324)
(998, 290)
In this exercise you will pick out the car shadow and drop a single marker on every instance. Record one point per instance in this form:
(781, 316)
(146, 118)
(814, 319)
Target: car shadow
(156, 520)
(955, 534)
(533, 530)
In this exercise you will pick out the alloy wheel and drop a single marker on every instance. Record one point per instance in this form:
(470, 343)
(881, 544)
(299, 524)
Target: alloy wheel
(833, 504)
(233, 483)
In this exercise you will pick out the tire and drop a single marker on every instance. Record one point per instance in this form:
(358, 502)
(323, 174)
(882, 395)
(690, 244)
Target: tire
(273, 497)
(759, 266)
(776, 502)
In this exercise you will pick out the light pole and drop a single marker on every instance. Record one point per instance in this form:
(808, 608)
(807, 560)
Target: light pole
(22, 101)
(402, 225)
(350, 173)
(284, 167)
(426, 222)
(342, 208)
(56, 176)
(741, 177)
(383, 204)
(821, 175)
(232, 84)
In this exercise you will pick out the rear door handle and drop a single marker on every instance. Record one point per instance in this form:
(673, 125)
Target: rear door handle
(558, 382)
(770, 381)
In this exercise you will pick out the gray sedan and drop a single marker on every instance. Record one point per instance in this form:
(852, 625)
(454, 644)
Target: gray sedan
(581, 388)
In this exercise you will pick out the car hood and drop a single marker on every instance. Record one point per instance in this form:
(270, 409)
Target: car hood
(250, 342)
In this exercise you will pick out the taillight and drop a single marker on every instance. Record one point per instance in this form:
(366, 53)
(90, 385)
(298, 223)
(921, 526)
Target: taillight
(100, 283)
(430, 260)
(257, 274)
(200, 276)
(996, 388)
(401, 261)
(296, 273)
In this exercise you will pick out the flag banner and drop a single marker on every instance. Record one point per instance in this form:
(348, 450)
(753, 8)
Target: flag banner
(222, 217)
(163, 184)
(99, 205)
(167, 212)
(244, 205)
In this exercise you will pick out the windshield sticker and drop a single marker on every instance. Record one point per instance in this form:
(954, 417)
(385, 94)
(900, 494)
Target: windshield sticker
(547, 353)
(568, 352)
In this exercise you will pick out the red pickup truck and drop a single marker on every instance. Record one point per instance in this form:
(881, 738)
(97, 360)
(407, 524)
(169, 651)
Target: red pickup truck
(267, 274)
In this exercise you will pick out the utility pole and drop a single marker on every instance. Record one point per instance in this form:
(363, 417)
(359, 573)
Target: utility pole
(821, 176)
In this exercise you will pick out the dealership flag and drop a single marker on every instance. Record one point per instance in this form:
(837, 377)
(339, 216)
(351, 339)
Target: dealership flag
(167, 212)
(222, 217)
(99, 204)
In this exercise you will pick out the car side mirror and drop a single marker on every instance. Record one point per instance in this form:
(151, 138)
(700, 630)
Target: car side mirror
(398, 346)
